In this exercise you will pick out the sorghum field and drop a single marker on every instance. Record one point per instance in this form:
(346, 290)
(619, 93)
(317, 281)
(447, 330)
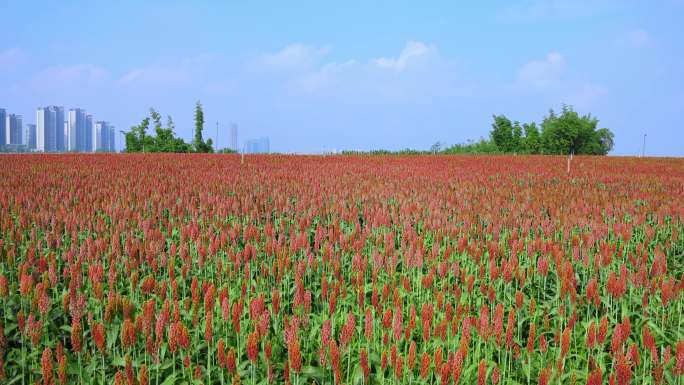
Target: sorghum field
(171, 269)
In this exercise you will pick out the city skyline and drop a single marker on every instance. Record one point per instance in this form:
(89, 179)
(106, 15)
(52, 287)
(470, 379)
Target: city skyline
(258, 146)
(81, 134)
(55, 131)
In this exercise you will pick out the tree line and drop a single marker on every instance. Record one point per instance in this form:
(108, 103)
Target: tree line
(164, 139)
(561, 133)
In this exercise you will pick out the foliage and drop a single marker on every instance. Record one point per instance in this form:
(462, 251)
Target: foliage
(198, 143)
(560, 134)
(571, 133)
(482, 146)
(502, 134)
(164, 140)
(226, 150)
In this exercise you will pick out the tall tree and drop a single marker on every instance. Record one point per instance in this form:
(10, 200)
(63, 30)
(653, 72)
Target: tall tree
(199, 126)
(531, 143)
(164, 140)
(606, 139)
(517, 142)
(198, 143)
(502, 133)
(570, 132)
(137, 139)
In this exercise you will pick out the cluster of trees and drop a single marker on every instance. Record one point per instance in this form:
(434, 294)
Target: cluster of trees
(563, 133)
(164, 139)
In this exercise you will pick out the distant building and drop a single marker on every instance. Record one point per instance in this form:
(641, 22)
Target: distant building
(258, 146)
(30, 136)
(234, 137)
(3, 128)
(13, 129)
(66, 136)
(50, 133)
(76, 130)
(104, 137)
(112, 139)
(88, 134)
(101, 136)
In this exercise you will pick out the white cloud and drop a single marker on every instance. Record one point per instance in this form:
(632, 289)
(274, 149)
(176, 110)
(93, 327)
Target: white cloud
(542, 74)
(328, 75)
(417, 70)
(293, 56)
(158, 76)
(553, 80)
(412, 52)
(80, 75)
(11, 57)
(181, 73)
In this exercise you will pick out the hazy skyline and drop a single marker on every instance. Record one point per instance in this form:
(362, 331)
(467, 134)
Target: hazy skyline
(355, 75)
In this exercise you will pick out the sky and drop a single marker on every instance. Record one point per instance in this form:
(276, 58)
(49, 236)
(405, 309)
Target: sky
(317, 76)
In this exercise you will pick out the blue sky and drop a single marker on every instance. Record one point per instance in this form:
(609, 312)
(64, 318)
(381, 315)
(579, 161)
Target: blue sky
(317, 76)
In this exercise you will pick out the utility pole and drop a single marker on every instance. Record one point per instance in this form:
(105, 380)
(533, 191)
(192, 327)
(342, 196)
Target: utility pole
(643, 148)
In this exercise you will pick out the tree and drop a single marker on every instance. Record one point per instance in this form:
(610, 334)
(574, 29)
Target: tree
(198, 143)
(137, 139)
(606, 139)
(564, 133)
(531, 143)
(516, 143)
(570, 132)
(164, 140)
(502, 133)
(199, 125)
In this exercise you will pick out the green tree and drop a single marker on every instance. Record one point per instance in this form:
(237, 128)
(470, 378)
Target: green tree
(137, 139)
(570, 132)
(502, 133)
(198, 143)
(483, 146)
(531, 143)
(164, 140)
(517, 141)
(606, 139)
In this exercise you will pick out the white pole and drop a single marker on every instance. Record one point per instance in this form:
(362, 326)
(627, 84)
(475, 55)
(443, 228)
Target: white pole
(643, 149)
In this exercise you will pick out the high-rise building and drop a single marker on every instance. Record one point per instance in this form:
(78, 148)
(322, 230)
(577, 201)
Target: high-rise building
(101, 136)
(60, 139)
(234, 137)
(258, 146)
(88, 134)
(112, 139)
(13, 128)
(76, 130)
(104, 137)
(50, 129)
(3, 128)
(30, 136)
(66, 136)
